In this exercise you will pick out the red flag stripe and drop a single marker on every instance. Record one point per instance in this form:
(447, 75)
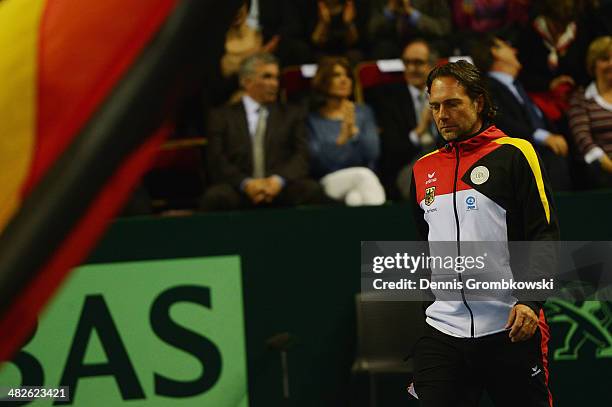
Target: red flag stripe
(83, 53)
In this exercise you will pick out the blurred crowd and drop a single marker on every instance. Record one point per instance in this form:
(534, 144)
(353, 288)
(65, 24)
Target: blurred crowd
(247, 139)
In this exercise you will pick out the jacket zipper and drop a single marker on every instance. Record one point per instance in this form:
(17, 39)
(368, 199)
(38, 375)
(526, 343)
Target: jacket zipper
(459, 236)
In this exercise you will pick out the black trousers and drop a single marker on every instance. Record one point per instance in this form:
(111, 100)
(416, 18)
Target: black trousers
(454, 372)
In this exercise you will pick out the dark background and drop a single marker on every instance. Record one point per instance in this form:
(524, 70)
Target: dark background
(300, 274)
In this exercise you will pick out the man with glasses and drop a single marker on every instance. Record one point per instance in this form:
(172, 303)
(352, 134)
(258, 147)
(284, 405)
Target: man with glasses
(402, 112)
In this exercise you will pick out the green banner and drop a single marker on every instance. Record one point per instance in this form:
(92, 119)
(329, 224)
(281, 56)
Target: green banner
(146, 333)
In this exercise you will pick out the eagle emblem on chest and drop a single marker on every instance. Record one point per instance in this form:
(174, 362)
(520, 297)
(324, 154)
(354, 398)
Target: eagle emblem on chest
(430, 195)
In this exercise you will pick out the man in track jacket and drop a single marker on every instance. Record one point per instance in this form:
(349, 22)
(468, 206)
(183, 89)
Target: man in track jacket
(489, 187)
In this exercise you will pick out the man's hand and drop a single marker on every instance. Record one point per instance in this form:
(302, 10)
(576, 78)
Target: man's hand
(523, 323)
(272, 187)
(401, 7)
(557, 144)
(407, 7)
(324, 13)
(255, 190)
(271, 45)
(561, 79)
(348, 14)
(394, 6)
(606, 163)
(424, 121)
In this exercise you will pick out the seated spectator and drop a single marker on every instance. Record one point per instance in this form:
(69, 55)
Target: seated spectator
(343, 138)
(517, 114)
(552, 49)
(394, 22)
(266, 17)
(242, 41)
(590, 114)
(501, 17)
(336, 32)
(257, 153)
(312, 29)
(402, 111)
(279, 20)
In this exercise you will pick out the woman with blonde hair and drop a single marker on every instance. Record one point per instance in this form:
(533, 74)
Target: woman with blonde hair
(343, 138)
(590, 114)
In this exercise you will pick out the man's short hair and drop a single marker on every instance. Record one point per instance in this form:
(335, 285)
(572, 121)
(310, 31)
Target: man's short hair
(471, 79)
(247, 67)
(480, 51)
(599, 48)
(434, 56)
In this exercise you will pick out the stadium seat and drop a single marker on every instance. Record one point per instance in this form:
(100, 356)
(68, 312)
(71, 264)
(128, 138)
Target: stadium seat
(374, 73)
(386, 333)
(176, 178)
(295, 82)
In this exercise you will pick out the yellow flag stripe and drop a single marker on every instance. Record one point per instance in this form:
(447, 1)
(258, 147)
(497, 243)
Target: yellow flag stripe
(19, 31)
(530, 154)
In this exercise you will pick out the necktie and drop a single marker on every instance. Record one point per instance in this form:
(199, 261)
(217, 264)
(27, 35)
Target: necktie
(421, 100)
(259, 167)
(427, 139)
(532, 113)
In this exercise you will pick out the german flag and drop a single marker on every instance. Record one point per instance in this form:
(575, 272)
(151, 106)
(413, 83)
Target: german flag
(84, 108)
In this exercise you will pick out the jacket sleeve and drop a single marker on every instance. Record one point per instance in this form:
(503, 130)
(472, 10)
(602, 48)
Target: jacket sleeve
(539, 220)
(511, 123)
(220, 168)
(580, 124)
(422, 229)
(436, 19)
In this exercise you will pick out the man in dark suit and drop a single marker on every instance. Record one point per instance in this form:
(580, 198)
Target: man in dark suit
(517, 114)
(257, 152)
(402, 111)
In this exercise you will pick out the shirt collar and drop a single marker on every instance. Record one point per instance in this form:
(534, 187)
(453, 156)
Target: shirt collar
(591, 92)
(503, 77)
(415, 92)
(486, 134)
(250, 105)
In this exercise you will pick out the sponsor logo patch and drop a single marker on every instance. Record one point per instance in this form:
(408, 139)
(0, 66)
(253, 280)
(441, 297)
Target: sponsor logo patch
(431, 178)
(470, 203)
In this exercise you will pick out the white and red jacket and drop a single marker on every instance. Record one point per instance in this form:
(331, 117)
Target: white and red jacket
(485, 188)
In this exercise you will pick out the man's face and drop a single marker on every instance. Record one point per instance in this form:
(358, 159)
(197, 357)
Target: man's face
(503, 52)
(262, 86)
(416, 64)
(453, 111)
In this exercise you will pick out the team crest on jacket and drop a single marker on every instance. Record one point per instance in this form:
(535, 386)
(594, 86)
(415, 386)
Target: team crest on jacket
(430, 195)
